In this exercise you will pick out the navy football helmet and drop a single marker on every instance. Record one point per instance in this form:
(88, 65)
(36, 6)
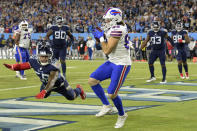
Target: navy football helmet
(179, 25)
(59, 21)
(44, 49)
(155, 26)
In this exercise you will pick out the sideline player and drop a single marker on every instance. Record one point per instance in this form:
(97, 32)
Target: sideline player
(59, 45)
(49, 74)
(157, 37)
(22, 41)
(116, 67)
(181, 38)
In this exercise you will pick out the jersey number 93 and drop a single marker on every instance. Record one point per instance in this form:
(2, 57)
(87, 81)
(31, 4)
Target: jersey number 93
(156, 40)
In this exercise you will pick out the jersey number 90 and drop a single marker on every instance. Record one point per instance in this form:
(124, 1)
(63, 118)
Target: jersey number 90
(60, 35)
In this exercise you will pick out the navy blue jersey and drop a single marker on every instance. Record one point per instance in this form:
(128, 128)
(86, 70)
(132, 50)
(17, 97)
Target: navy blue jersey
(179, 35)
(43, 72)
(157, 39)
(59, 36)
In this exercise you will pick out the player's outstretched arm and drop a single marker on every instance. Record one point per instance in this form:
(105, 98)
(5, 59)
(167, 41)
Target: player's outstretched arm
(49, 33)
(107, 47)
(51, 82)
(18, 67)
(145, 42)
(170, 40)
(187, 40)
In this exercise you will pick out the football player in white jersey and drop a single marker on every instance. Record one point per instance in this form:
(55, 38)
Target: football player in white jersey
(22, 40)
(115, 45)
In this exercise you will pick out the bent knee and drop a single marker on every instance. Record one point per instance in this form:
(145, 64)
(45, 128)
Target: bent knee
(70, 98)
(92, 81)
(112, 96)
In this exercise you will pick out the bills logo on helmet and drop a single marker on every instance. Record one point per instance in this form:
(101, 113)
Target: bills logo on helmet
(114, 12)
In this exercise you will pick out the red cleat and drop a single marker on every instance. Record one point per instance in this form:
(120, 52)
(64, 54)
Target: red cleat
(186, 75)
(82, 94)
(181, 76)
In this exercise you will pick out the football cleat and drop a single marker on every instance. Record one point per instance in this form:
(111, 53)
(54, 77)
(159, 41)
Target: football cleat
(23, 78)
(82, 94)
(105, 110)
(181, 76)
(186, 75)
(151, 79)
(163, 82)
(121, 120)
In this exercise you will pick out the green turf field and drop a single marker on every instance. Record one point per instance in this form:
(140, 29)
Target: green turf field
(179, 115)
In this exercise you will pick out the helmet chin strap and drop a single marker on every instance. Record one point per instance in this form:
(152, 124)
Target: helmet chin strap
(43, 64)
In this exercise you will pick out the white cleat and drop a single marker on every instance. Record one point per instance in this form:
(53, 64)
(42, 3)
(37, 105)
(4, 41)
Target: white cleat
(182, 77)
(151, 79)
(121, 120)
(187, 77)
(105, 110)
(23, 78)
(163, 82)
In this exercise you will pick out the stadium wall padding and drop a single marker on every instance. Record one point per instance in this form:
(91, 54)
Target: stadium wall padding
(85, 35)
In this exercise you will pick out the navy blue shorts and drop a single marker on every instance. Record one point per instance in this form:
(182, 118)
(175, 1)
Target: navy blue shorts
(157, 54)
(181, 56)
(59, 53)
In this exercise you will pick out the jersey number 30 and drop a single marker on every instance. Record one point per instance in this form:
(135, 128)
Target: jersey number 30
(60, 35)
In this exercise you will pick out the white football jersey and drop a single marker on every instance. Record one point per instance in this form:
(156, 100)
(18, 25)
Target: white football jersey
(120, 55)
(25, 38)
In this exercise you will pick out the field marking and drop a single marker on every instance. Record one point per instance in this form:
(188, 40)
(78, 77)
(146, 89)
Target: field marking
(18, 88)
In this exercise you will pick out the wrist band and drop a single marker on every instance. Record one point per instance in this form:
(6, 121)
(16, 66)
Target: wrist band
(102, 39)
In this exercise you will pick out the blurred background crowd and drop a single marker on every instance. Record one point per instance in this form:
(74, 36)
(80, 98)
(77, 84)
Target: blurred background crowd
(83, 15)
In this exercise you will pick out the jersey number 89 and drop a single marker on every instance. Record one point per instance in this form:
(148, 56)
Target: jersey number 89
(60, 35)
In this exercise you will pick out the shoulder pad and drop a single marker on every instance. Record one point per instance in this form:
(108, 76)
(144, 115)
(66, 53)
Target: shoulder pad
(164, 30)
(185, 31)
(33, 57)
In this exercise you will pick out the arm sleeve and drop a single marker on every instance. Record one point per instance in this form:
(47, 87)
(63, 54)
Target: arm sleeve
(22, 66)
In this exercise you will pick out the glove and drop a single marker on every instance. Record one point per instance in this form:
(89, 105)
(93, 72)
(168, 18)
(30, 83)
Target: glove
(98, 34)
(8, 66)
(41, 94)
(181, 41)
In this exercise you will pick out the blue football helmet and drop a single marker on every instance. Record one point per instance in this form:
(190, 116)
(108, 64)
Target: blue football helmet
(59, 21)
(155, 26)
(44, 49)
(179, 25)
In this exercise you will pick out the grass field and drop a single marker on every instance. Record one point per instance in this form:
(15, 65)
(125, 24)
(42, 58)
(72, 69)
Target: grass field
(166, 116)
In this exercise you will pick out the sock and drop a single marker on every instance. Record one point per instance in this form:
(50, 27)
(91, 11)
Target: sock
(22, 72)
(98, 90)
(185, 67)
(164, 72)
(118, 104)
(63, 69)
(77, 91)
(151, 68)
(180, 68)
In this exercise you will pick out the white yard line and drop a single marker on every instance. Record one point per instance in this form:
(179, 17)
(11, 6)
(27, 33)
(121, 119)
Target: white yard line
(18, 88)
